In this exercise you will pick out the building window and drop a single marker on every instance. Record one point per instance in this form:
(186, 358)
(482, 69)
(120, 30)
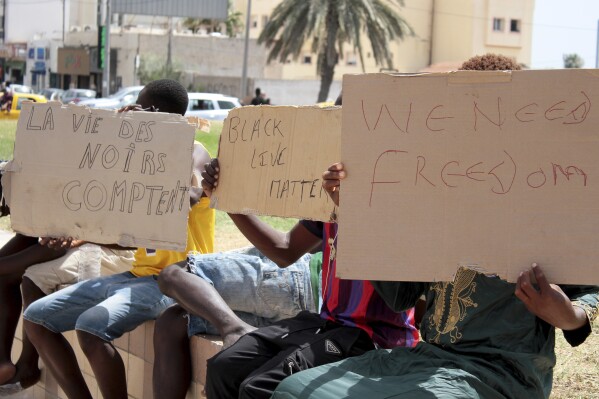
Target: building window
(515, 25)
(254, 21)
(264, 20)
(307, 59)
(498, 24)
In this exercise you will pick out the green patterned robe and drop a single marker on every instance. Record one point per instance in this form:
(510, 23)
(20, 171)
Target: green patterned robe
(480, 341)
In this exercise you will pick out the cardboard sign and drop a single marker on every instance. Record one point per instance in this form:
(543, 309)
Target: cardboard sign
(102, 176)
(272, 159)
(489, 170)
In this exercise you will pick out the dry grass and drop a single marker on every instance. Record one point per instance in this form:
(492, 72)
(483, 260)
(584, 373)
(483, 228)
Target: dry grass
(576, 374)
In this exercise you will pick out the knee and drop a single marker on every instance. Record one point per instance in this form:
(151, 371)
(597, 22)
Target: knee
(31, 292)
(218, 370)
(89, 343)
(35, 332)
(168, 279)
(170, 325)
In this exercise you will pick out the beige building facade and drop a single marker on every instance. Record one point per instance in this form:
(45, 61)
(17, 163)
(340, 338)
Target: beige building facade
(445, 32)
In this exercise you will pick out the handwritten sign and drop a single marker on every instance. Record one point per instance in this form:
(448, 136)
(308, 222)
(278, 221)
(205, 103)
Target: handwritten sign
(489, 170)
(102, 176)
(272, 159)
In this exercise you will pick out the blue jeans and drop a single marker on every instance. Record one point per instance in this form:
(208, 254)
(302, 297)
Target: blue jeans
(254, 287)
(106, 307)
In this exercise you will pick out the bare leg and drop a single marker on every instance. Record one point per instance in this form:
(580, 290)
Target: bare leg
(28, 372)
(10, 309)
(18, 262)
(106, 363)
(199, 298)
(60, 359)
(10, 305)
(172, 356)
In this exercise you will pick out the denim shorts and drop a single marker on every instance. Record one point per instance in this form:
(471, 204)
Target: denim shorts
(254, 287)
(106, 307)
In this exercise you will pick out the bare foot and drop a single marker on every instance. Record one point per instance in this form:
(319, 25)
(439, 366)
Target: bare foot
(7, 372)
(232, 337)
(27, 377)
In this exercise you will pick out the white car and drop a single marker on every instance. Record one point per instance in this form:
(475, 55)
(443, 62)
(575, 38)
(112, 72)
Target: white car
(211, 106)
(125, 96)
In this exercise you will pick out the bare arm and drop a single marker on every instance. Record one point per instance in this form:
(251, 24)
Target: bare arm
(282, 248)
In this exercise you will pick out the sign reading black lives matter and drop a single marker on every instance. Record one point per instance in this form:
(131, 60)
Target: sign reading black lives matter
(272, 159)
(101, 176)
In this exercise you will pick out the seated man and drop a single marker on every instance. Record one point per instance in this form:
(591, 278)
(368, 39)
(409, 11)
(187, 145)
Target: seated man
(103, 309)
(483, 337)
(231, 293)
(353, 319)
(48, 269)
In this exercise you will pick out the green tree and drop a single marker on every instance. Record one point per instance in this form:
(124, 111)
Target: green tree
(153, 67)
(232, 25)
(573, 61)
(330, 24)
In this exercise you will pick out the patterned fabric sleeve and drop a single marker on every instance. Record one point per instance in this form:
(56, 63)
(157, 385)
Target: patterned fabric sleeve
(400, 296)
(587, 298)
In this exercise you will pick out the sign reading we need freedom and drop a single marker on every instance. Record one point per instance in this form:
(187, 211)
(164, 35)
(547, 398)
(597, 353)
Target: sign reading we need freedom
(488, 170)
(272, 158)
(102, 176)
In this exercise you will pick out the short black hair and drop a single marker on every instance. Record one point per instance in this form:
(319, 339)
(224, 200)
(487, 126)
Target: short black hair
(165, 94)
(258, 91)
(490, 62)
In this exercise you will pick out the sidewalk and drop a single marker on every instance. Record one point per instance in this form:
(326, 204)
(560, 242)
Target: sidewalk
(5, 236)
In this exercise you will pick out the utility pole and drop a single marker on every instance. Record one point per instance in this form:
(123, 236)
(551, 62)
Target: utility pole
(244, 70)
(106, 71)
(169, 47)
(64, 12)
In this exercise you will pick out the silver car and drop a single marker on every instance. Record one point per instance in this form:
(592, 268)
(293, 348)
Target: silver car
(211, 106)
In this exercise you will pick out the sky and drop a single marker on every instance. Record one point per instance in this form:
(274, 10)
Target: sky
(564, 27)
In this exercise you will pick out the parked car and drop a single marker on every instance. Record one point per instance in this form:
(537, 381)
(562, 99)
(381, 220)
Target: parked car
(76, 95)
(125, 96)
(211, 106)
(17, 103)
(52, 93)
(16, 88)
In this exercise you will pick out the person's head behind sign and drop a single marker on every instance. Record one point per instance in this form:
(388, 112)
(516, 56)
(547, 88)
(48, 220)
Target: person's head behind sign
(164, 95)
(490, 62)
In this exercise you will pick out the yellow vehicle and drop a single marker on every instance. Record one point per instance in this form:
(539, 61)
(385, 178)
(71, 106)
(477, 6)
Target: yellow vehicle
(17, 103)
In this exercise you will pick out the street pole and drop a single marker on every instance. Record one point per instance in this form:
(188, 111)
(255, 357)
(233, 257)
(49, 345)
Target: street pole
(106, 71)
(244, 70)
(64, 11)
(169, 46)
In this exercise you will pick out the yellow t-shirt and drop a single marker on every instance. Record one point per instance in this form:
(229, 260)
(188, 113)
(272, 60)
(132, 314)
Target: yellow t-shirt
(200, 238)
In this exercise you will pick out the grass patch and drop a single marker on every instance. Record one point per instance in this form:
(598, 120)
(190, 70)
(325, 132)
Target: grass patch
(8, 129)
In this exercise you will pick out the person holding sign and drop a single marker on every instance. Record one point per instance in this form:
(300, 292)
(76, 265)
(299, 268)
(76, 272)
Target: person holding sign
(483, 337)
(353, 319)
(103, 309)
(48, 269)
(232, 293)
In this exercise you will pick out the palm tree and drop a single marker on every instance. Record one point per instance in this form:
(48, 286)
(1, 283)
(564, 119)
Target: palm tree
(330, 24)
